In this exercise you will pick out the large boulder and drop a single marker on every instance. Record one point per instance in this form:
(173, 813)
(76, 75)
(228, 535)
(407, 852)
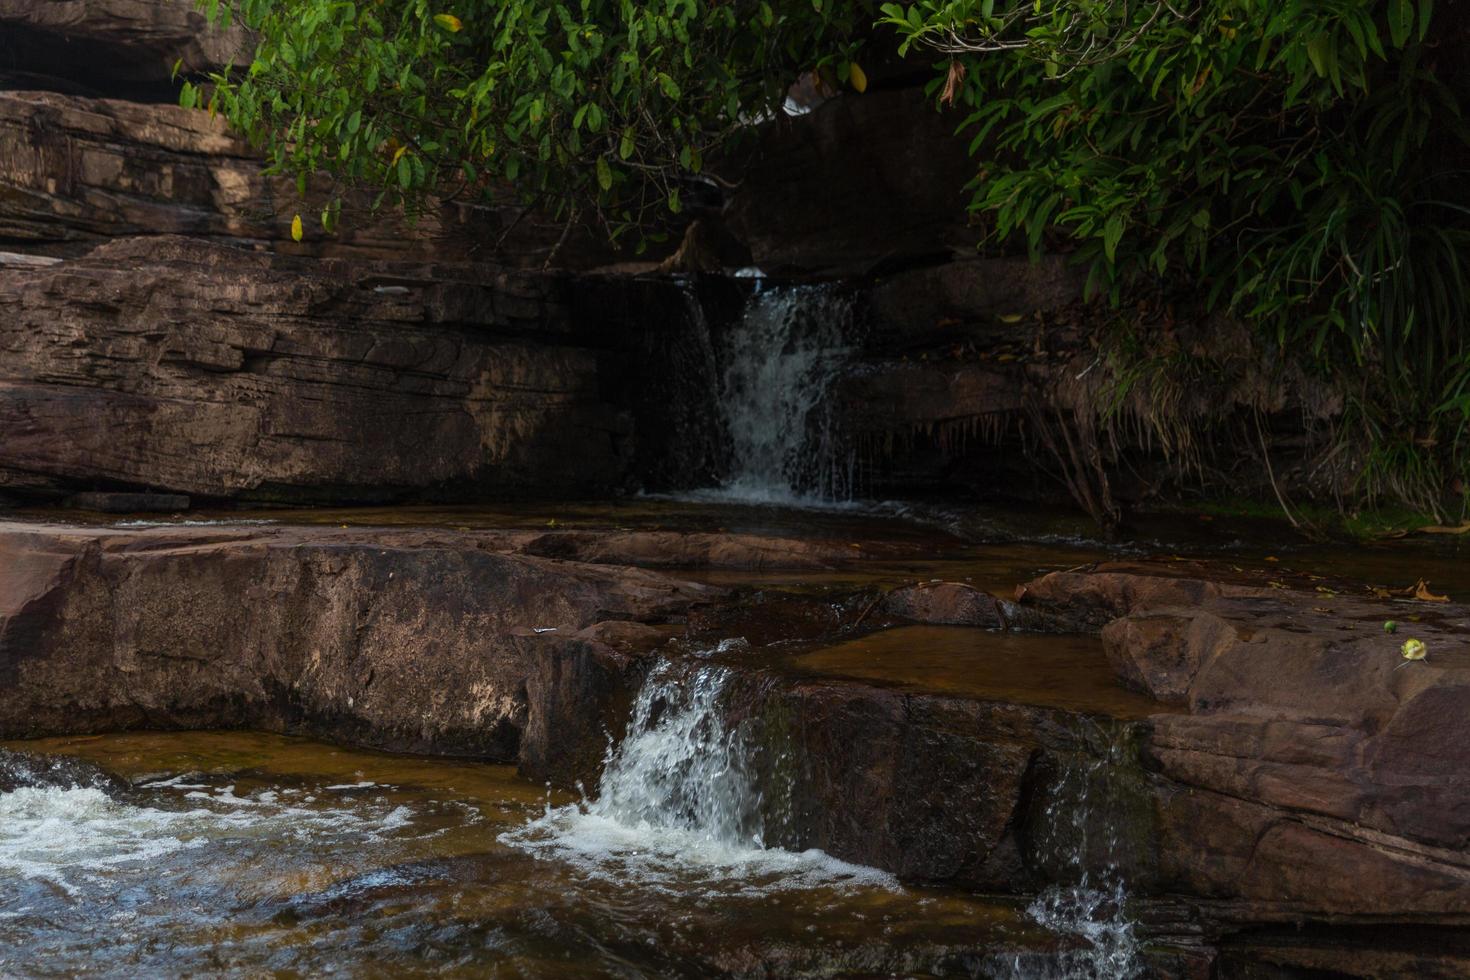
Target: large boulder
(221, 373)
(1306, 769)
(406, 640)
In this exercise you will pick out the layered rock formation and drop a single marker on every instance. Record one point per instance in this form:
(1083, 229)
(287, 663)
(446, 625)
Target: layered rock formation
(209, 371)
(410, 640)
(77, 171)
(127, 48)
(1311, 774)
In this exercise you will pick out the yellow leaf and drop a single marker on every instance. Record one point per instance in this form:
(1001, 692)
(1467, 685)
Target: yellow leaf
(1422, 593)
(396, 154)
(1414, 650)
(296, 230)
(449, 22)
(857, 77)
(1444, 529)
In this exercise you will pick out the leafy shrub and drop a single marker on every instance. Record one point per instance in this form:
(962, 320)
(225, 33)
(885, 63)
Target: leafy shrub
(1296, 163)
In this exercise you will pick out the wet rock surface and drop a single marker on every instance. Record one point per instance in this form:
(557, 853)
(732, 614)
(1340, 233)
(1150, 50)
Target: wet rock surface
(22, 769)
(1313, 773)
(394, 641)
(1286, 771)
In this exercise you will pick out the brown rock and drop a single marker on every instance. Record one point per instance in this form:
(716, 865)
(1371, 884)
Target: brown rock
(912, 304)
(114, 46)
(210, 371)
(944, 603)
(77, 171)
(1311, 776)
(394, 639)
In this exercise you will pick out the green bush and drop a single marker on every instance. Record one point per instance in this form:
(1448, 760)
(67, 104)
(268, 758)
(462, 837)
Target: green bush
(588, 105)
(1299, 163)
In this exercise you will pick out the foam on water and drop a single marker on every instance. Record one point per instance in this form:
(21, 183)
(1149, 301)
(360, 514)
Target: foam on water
(75, 836)
(678, 805)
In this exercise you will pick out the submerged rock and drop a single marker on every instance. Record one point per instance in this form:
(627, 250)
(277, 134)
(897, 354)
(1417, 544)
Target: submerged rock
(21, 769)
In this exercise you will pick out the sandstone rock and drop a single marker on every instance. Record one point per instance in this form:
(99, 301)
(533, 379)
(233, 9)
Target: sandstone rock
(858, 180)
(210, 371)
(930, 787)
(77, 171)
(1310, 777)
(946, 603)
(397, 640)
(116, 47)
(913, 305)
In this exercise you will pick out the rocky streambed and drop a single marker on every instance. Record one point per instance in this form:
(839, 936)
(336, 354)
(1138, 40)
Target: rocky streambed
(1180, 767)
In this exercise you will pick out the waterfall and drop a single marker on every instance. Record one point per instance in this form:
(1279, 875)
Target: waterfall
(1087, 902)
(681, 805)
(779, 361)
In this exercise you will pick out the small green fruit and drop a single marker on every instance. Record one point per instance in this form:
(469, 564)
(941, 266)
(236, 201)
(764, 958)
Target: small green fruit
(1389, 626)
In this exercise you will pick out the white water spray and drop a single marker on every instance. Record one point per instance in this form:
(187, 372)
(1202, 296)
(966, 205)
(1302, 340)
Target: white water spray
(779, 364)
(1088, 904)
(679, 805)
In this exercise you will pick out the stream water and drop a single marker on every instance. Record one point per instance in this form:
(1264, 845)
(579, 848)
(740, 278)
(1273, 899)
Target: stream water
(246, 855)
(241, 854)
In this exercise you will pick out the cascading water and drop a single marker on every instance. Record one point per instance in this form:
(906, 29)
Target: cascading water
(1088, 902)
(680, 803)
(779, 362)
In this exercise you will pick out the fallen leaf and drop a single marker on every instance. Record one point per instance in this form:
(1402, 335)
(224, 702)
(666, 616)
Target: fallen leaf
(1422, 593)
(1446, 529)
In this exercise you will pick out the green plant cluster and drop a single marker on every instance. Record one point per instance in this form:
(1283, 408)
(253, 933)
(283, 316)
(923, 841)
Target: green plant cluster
(1298, 163)
(601, 107)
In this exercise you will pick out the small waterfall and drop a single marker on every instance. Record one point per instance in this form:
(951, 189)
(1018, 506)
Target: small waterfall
(680, 803)
(779, 362)
(1088, 900)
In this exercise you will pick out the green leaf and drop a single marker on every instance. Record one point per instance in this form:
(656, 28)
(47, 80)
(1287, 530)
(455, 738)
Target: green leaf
(604, 174)
(1112, 234)
(1400, 21)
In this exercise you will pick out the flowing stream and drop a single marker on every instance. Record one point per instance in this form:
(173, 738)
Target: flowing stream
(262, 855)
